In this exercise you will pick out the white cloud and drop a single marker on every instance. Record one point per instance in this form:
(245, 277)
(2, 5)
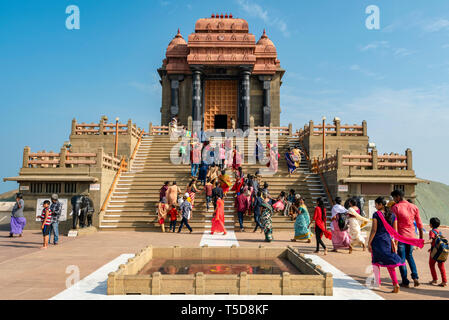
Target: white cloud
(366, 72)
(255, 10)
(445, 46)
(402, 52)
(436, 25)
(375, 45)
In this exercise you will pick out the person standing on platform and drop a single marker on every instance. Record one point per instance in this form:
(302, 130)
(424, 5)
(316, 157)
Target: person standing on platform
(218, 221)
(266, 218)
(340, 238)
(433, 235)
(46, 222)
(162, 211)
(241, 205)
(319, 217)
(302, 231)
(186, 209)
(407, 213)
(173, 214)
(217, 193)
(163, 191)
(56, 210)
(208, 188)
(257, 205)
(18, 220)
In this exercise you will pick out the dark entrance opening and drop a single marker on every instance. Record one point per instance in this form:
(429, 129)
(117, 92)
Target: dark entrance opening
(221, 121)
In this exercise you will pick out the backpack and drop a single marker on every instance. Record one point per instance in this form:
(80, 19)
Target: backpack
(343, 221)
(441, 249)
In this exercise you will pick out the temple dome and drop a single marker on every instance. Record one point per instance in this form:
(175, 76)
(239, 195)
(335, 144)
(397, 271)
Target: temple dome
(177, 40)
(265, 44)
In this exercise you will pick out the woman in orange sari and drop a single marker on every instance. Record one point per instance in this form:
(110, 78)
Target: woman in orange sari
(219, 219)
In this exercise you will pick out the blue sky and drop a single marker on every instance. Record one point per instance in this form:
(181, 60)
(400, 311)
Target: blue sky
(396, 78)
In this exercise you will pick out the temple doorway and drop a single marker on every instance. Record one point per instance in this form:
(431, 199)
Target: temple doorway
(221, 121)
(220, 103)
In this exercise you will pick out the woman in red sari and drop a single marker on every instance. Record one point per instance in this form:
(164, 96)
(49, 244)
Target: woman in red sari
(219, 219)
(320, 225)
(239, 180)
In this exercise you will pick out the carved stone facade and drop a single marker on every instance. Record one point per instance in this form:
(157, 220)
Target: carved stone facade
(221, 48)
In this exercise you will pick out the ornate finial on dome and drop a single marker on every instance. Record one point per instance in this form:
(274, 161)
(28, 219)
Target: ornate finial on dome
(212, 16)
(226, 15)
(264, 34)
(179, 32)
(230, 16)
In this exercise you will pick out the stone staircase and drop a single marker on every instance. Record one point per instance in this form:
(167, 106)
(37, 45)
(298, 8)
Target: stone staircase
(132, 205)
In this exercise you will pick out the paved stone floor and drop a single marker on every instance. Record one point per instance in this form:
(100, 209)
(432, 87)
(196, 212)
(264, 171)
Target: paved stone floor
(26, 272)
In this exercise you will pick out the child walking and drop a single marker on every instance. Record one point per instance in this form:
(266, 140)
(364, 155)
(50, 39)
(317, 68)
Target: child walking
(208, 187)
(46, 222)
(173, 214)
(434, 224)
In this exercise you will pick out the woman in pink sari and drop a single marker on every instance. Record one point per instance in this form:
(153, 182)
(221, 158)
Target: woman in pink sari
(381, 243)
(340, 238)
(274, 159)
(218, 220)
(237, 159)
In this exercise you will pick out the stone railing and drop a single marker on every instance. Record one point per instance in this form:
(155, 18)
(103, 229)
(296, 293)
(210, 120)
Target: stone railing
(336, 129)
(103, 128)
(282, 131)
(158, 130)
(66, 159)
(369, 161)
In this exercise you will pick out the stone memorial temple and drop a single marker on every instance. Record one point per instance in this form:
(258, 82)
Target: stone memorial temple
(221, 75)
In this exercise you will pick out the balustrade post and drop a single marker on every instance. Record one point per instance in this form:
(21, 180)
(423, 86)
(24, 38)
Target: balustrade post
(290, 129)
(339, 160)
(311, 127)
(129, 129)
(251, 122)
(364, 128)
(189, 123)
(375, 159)
(62, 157)
(99, 157)
(73, 126)
(26, 156)
(150, 129)
(337, 123)
(408, 153)
(101, 125)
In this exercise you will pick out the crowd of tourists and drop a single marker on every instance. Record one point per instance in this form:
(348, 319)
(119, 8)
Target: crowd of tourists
(392, 238)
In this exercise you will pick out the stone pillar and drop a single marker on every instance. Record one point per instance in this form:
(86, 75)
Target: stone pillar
(337, 123)
(129, 127)
(375, 158)
(251, 122)
(365, 128)
(189, 123)
(62, 157)
(290, 130)
(245, 99)
(339, 159)
(26, 156)
(73, 126)
(311, 126)
(408, 153)
(99, 157)
(266, 108)
(174, 106)
(197, 92)
(150, 129)
(101, 125)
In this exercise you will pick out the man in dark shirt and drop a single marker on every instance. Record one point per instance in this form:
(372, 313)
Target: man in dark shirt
(217, 192)
(56, 210)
